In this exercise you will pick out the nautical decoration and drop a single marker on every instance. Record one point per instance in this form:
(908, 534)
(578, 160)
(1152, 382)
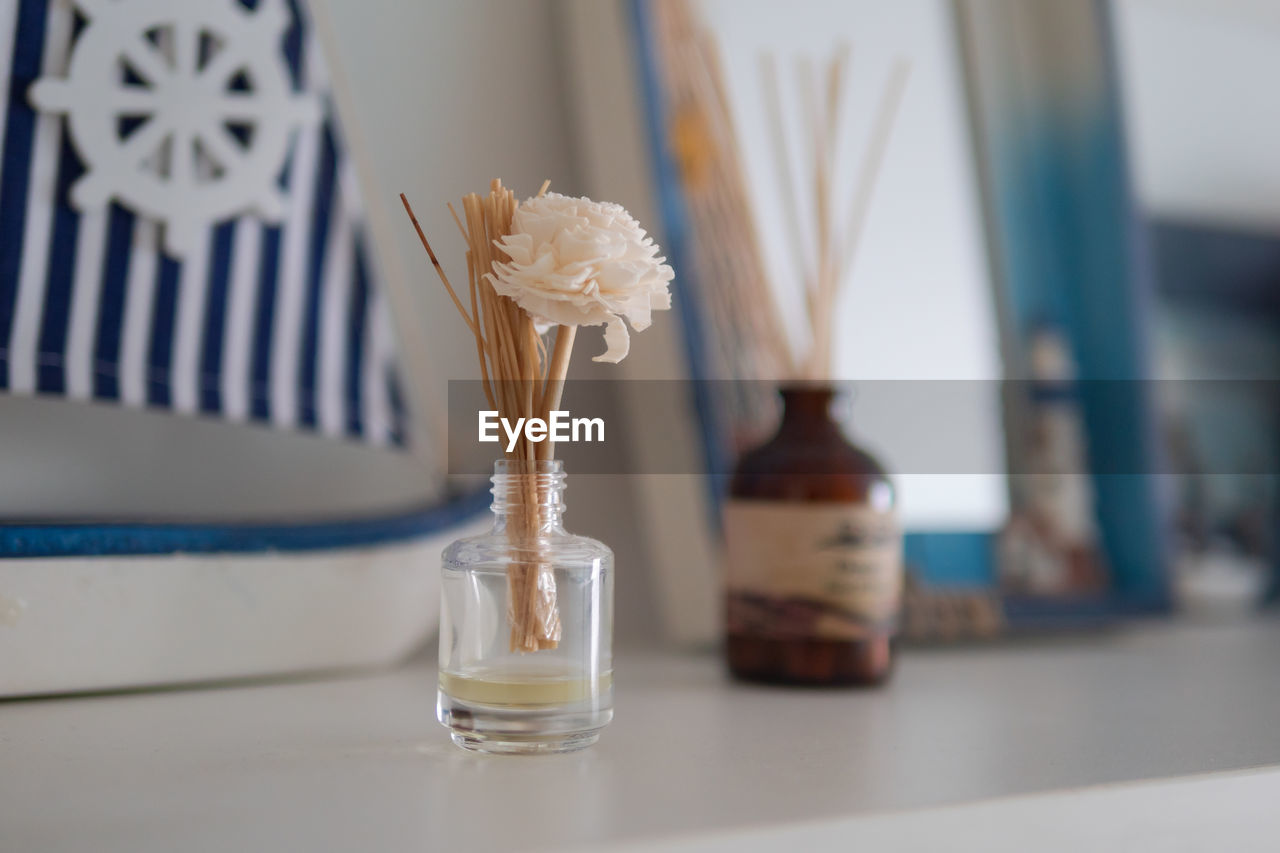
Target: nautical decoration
(199, 125)
(181, 224)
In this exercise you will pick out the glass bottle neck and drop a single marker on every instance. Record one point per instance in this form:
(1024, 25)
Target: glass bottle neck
(528, 497)
(806, 411)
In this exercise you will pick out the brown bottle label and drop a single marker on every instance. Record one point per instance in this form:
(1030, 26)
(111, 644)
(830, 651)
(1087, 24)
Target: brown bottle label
(825, 570)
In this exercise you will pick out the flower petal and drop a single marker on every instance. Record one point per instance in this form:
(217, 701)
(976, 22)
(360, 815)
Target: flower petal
(617, 341)
(574, 261)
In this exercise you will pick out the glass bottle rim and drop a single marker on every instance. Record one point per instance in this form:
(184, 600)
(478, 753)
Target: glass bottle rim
(525, 467)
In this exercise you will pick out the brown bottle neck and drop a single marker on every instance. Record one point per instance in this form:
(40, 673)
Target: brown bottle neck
(806, 412)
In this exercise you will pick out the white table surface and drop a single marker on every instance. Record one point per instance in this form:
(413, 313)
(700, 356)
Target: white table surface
(358, 763)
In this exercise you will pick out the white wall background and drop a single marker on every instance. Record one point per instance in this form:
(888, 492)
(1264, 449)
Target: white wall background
(446, 95)
(1201, 83)
(919, 303)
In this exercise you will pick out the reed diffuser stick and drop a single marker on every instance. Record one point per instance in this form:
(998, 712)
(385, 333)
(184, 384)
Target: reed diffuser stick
(783, 164)
(551, 395)
(512, 367)
(803, 137)
(872, 162)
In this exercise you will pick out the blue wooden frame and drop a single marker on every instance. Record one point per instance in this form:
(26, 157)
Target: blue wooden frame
(1075, 254)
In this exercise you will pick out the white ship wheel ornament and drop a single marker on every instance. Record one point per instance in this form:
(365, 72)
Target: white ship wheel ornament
(182, 111)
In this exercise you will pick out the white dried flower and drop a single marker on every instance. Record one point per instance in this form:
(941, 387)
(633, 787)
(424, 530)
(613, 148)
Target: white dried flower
(578, 262)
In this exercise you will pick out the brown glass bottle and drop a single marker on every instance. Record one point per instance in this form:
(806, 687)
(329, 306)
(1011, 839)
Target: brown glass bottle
(814, 574)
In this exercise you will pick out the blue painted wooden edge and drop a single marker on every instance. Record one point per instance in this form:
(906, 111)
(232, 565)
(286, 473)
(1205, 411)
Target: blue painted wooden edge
(1024, 614)
(959, 558)
(966, 560)
(24, 540)
(671, 205)
(1061, 192)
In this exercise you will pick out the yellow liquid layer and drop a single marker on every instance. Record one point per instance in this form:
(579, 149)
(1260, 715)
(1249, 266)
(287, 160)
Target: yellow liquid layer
(523, 690)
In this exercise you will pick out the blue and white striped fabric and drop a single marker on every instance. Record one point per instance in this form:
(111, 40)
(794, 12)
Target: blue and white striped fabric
(282, 324)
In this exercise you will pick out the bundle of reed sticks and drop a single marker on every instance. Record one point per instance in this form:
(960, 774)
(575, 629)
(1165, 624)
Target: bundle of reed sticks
(522, 378)
(741, 300)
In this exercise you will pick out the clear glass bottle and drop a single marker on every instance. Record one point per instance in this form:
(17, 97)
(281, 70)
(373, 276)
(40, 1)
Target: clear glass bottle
(492, 696)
